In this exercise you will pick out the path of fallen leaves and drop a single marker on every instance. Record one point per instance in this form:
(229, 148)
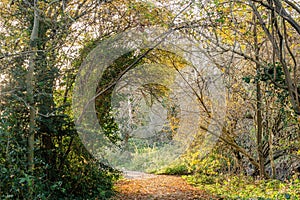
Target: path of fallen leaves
(157, 187)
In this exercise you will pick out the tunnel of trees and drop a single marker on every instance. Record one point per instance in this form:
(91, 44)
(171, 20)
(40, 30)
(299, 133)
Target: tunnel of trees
(254, 43)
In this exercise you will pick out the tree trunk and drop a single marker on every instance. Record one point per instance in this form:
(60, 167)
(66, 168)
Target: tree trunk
(259, 133)
(30, 85)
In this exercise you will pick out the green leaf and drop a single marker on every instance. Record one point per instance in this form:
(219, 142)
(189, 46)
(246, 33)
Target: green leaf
(247, 79)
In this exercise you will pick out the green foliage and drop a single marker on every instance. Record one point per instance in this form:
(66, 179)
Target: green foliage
(76, 176)
(273, 77)
(63, 167)
(242, 187)
(269, 74)
(103, 101)
(273, 73)
(174, 169)
(211, 164)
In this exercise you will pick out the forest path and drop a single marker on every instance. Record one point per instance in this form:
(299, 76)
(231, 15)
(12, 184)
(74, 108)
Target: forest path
(142, 186)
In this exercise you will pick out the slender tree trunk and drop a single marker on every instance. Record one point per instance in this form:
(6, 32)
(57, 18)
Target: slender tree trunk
(259, 133)
(30, 86)
(271, 155)
(269, 133)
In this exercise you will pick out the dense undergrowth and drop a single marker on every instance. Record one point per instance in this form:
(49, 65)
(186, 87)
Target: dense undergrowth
(230, 186)
(241, 187)
(77, 179)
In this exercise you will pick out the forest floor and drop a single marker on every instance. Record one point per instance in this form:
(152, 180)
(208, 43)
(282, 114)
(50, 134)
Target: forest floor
(142, 186)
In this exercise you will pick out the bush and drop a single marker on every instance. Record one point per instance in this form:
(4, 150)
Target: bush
(79, 177)
(175, 169)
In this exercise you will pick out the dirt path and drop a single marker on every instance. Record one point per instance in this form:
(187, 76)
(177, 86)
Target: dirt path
(141, 186)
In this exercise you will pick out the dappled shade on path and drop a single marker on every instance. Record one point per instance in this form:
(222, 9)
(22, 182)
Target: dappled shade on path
(158, 187)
